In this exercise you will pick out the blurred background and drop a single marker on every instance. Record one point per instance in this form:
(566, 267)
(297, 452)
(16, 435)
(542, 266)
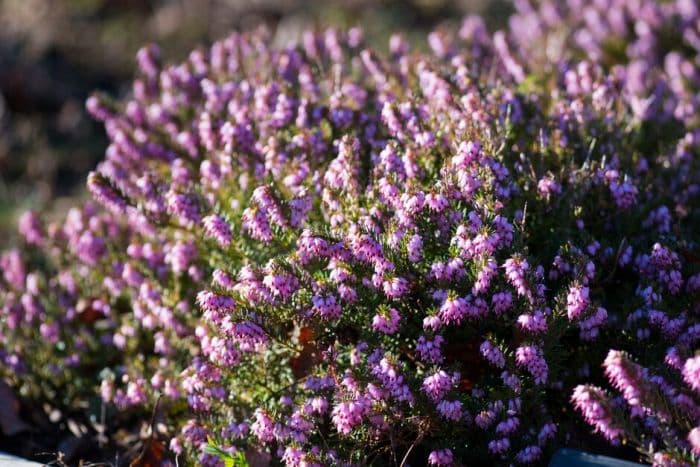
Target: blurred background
(54, 53)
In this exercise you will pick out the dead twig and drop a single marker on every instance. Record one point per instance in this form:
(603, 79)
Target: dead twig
(410, 449)
(146, 446)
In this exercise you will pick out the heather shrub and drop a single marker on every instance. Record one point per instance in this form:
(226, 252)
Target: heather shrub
(60, 306)
(319, 254)
(68, 324)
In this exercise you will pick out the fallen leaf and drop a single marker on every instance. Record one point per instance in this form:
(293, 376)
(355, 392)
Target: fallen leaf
(308, 357)
(306, 335)
(90, 315)
(152, 455)
(303, 363)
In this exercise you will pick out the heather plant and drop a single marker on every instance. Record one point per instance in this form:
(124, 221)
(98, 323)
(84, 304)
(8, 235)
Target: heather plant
(320, 255)
(53, 292)
(653, 44)
(69, 322)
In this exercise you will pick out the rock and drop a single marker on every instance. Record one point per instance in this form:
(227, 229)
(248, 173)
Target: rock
(10, 422)
(13, 461)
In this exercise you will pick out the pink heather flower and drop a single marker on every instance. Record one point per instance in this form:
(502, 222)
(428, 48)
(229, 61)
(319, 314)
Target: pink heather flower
(693, 283)
(516, 269)
(413, 203)
(135, 394)
(437, 385)
(347, 415)
(531, 358)
(132, 276)
(300, 208)
(263, 426)
(529, 455)
(218, 229)
(319, 405)
(589, 327)
(391, 379)
(97, 108)
(396, 287)
(176, 446)
(625, 193)
(442, 457)
(107, 389)
(180, 256)
(105, 194)
(453, 310)
(90, 248)
(508, 426)
(492, 354)
(29, 226)
(485, 419)
(694, 440)
(387, 324)
(547, 186)
(326, 307)
(436, 202)
(499, 446)
(486, 274)
(535, 322)
(626, 257)
(222, 279)
(547, 432)
(183, 208)
(194, 433)
(467, 153)
(592, 403)
(631, 380)
(430, 351)
(282, 285)
(248, 335)
(415, 248)
(215, 306)
(451, 410)
(255, 222)
(347, 293)
(432, 322)
(502, 301)
(268, 203)
(691, 373)
(576, 301)
(294, 457)
(148, 60)
(222, 351)
(454, 269)
(310, 247)
(342, 172)
(512, 381)
(673, 359)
